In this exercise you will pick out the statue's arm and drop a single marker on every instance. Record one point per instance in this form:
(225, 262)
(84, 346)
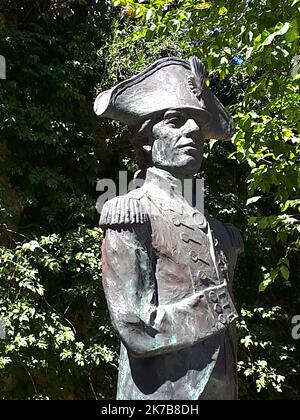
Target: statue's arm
(145, 327)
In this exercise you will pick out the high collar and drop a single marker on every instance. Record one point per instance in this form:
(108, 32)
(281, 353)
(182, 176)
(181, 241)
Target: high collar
(164, 181)
(167, 192)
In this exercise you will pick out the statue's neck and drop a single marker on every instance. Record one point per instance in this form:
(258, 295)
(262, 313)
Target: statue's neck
(164, 180)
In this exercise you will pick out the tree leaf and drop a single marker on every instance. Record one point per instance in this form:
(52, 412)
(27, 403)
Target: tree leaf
(253, 200)
(285, 272)
(202, 6)
(149, 14)
(293, 32)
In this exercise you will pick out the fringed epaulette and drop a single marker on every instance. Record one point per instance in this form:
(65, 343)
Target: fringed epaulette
(123, 210)
(235, 237)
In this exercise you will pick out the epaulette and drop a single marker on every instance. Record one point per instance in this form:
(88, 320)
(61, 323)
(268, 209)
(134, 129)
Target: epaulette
(235, 237)
(123, 210)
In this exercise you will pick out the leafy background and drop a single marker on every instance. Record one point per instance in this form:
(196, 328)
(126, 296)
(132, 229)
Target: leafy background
(59, 343)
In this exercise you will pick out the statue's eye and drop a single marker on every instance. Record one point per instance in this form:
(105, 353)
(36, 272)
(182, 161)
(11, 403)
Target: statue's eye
(174, 121)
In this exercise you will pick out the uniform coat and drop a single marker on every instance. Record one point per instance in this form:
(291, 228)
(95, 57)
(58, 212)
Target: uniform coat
(167, 275)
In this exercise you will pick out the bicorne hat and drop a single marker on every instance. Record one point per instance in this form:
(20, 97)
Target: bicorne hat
(169, 83)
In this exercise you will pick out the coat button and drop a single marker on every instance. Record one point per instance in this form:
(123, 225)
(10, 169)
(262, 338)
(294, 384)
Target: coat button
(222, 319)
(218, 308)
(213, 296)
(198, 219)
(194, 256)
(176, 221)
(231, 317)
(184, 237)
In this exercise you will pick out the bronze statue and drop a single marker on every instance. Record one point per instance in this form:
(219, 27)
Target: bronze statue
(168, 268)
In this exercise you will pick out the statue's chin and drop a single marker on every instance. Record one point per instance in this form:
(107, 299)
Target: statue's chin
(190, 165)
(184, 169)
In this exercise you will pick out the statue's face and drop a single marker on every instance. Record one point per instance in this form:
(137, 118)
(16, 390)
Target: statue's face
(177, 144)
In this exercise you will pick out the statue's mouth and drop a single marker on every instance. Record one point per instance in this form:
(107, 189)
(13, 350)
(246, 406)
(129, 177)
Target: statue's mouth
(186, 143)
(189, 147)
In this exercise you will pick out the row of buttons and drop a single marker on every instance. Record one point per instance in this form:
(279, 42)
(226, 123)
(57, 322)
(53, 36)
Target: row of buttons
(221, 259)
(198, 221)
(218, 308)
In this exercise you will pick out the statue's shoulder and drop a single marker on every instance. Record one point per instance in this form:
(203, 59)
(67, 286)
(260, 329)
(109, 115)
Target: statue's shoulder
(228, 234)
(124, 210)
(235, 237)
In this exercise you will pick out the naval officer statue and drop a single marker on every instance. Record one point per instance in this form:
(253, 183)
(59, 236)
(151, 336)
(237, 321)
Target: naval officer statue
(168, 268)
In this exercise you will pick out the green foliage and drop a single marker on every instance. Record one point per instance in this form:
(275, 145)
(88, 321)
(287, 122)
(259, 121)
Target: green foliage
(59, 343)
(46, 122)
(267, 359)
